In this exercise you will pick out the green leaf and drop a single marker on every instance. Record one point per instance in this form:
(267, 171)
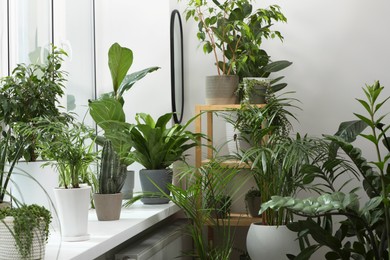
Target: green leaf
(120, 60)
(132, 78)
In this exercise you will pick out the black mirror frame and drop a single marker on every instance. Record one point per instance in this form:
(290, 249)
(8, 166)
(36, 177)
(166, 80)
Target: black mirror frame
(175, 13)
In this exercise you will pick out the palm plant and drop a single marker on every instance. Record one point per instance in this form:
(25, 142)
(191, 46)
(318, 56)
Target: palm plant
(196, 188)
(276, 159)
(67, 147)
(369, 225)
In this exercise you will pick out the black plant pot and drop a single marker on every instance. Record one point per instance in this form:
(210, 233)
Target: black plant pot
(253, 205)
(150, 180)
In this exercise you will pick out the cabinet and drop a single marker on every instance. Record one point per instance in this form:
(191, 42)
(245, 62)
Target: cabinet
(207, 112)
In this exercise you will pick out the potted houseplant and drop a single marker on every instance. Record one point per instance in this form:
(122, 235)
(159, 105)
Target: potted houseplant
(70, 153)
(156, 147)
(32, 91)
(367, 224)
(24, 232)
(276, 161)
(111, 177)
(109, 107)
(225, 29)
(196, 188)
(253, 202)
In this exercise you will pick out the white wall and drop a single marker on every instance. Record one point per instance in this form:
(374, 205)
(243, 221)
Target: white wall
(335, 46)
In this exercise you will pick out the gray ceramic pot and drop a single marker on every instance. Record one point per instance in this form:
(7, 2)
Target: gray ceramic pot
(149, 179)
(220, 90)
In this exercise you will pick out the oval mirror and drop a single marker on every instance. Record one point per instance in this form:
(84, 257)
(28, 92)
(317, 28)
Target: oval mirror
(177, 71)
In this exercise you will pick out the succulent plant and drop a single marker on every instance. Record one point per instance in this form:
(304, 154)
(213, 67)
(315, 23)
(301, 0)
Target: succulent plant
(112, 172)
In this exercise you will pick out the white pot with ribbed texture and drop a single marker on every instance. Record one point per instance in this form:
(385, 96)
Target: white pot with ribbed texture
(271, 242)
(73, 206)
(8, 247)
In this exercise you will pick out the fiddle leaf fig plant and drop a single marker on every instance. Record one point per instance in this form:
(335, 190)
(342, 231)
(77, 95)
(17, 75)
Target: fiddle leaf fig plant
(364, 229)
(109, 107)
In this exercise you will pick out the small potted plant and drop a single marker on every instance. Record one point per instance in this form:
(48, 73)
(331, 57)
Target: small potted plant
(70, 151)
(111, 177)
(253, 202)
(24, 232)
(109, 107)
(157, 147)
(227, 29)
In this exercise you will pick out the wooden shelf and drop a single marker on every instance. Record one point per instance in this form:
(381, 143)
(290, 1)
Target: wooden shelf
(239, 220)
(231, 164)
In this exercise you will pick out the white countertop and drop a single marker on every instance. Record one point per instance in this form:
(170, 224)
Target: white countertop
(106, 235)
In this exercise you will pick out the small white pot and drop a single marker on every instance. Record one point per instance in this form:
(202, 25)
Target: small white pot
(271, 242)
(73, 206)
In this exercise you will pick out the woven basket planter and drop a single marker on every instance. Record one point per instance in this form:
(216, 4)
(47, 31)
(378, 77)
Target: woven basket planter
(8, 247)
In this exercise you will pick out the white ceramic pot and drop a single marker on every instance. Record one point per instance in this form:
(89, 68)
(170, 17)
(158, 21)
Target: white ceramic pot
(72, 207)
(271, 242)
(24, 188)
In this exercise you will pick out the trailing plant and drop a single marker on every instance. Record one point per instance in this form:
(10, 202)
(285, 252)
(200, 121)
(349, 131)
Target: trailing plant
(69, 147)
(233, 31)
(112, 173)
(28, 220)
(363, 231)
(32, 91)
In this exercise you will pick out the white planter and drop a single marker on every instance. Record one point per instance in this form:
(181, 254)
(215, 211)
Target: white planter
(271, 242)
(8, 248)
(26, 189)
(72, 207)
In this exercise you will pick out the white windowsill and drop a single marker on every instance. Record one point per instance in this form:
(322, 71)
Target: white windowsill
(106, 235)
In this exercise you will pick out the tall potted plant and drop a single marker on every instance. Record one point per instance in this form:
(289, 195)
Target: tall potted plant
(225, 28)
(367, 223)
(70, 153)
(109, 107)
(276, 161)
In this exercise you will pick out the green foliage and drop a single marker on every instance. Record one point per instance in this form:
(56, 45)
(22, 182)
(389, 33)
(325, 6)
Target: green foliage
(6, 160)
(109, 107)
(157, 146)
(67, 147)
(252, 193)
(32, 91)
(27, 220)
(203, 186)
(236, 30)
(368, 225)
(112, 173)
